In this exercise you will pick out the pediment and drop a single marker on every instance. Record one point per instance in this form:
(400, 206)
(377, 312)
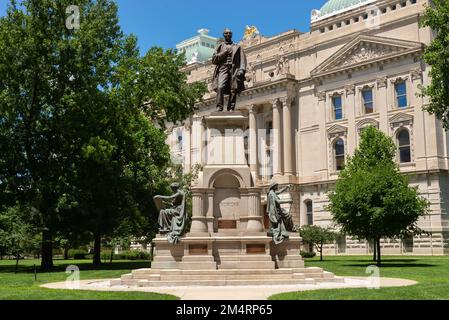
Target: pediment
(337, 129)
(365, 50)
(368, 122)
(401, 117)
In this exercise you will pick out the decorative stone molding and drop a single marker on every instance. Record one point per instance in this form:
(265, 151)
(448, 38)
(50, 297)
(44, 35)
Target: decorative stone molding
(381, 82)
(400, 78)
(337, 131)
(321, 95)
(401, 120)
(365, 123)
(365, 51)
(350, 89)
(361, 54)
(253, 109)
(287, 101)
(188, 124)
(416, 74)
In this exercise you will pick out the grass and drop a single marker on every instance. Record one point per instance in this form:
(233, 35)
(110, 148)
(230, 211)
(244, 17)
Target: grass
(22, 286)
(431, 273)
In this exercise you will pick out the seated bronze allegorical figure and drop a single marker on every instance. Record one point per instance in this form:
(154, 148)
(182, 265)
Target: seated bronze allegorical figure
(173, 214)
(281, 221)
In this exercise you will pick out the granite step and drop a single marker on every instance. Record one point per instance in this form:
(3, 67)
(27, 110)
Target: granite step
(199, 283)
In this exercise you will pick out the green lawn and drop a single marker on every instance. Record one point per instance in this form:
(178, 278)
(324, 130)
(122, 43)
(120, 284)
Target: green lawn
(22, 286)
(432, 273)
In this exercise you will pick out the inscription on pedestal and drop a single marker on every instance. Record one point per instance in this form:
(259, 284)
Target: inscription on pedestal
(198, 249)
(255, 248)
(227, 224)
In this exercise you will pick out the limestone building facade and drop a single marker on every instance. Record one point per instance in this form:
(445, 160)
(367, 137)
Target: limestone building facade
(310, 94)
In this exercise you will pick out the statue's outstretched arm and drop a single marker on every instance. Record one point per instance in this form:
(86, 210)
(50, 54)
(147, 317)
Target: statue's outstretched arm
(167, 198)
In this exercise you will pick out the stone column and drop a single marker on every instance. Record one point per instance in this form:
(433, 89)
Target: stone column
(287, 135)
(203, 143)
(419, 139)
(277, 141)
(382, 104)
(199, 221)
(210, 210)
(188, 147)
(323, 114)
(350, 114)
(255, 218)
(253, 143)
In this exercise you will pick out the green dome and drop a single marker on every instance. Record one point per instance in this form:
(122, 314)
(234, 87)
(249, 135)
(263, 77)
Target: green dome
(340, 5)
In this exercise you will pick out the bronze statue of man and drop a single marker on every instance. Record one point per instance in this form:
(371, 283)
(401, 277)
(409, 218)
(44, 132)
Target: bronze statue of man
(172, 219)
(229, 76)
(281, 220)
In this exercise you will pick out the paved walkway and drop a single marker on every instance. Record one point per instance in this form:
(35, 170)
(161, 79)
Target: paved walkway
(235, 292)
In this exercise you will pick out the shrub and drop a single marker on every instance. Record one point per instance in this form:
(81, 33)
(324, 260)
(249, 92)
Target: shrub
(308, 255)
(132, 255)
(77, 254)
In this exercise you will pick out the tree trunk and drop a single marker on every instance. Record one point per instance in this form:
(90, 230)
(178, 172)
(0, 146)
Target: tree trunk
(97, 250)
(321, 252)
(17, 263)
(374, 251)
(379, 256)
(112, 256)
(47, 250)
(66, 253)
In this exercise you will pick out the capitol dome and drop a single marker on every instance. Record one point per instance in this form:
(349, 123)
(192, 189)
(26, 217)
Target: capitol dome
(333, 7)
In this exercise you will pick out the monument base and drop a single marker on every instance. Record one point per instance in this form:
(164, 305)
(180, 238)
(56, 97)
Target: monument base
(226, 260)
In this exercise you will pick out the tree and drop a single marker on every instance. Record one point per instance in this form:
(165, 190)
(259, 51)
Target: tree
(49, 73)
(372, 199)
(78, 113)
(436, 55)
(317, 236)
(16, 234)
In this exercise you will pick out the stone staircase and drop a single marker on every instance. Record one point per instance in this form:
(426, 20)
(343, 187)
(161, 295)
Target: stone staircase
(226, 277)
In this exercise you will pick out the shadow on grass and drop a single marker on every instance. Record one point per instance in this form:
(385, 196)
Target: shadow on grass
(83, 266)
(391, 265)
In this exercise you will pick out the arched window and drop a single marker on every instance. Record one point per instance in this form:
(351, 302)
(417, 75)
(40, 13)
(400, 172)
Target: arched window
(405, 154)
(309, 207)
(339, 152)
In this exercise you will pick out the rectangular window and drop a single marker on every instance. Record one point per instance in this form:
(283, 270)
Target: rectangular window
(338, 107)
(401, 94)
(368, 102)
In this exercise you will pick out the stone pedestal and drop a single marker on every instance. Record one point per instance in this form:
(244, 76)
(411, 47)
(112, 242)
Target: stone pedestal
(227, 243)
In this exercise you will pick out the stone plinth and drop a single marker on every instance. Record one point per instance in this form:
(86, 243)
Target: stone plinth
(227, 243)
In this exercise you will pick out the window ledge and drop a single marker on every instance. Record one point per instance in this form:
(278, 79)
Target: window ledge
(398, 109)
(410, 165)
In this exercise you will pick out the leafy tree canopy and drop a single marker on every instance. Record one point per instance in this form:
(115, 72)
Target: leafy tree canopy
(372, 199)
(436, 55)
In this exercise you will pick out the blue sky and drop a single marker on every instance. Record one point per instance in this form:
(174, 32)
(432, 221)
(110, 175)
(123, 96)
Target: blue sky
(167, 22)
